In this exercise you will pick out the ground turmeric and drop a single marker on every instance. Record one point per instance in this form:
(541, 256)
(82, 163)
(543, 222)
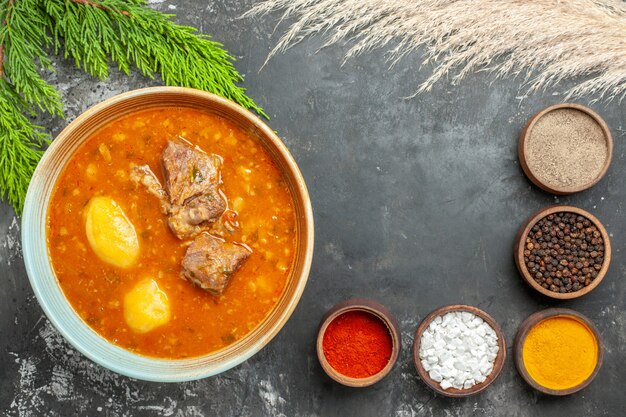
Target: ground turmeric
(560, 352)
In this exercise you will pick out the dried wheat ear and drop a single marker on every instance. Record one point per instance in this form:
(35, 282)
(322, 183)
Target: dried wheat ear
(548, 41)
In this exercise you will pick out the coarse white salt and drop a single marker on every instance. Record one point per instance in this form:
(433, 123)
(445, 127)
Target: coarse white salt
(458, 350)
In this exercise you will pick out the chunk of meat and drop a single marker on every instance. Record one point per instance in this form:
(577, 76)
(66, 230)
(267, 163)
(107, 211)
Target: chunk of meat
(188, 171)
(210, 263)
(191, 182)
(192, 218)
(191, 198)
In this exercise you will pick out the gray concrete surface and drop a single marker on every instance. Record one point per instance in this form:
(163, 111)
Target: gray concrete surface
(416, 205)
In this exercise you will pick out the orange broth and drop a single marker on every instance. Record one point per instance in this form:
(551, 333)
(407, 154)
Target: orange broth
(200, 322)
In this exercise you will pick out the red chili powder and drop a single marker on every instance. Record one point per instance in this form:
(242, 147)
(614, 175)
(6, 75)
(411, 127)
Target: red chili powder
(357, 344)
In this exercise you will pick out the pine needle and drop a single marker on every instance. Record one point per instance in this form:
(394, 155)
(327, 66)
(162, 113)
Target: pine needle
(94, 34)
(551, 41)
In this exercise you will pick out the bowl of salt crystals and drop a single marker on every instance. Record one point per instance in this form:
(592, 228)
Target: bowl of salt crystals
(459, 350)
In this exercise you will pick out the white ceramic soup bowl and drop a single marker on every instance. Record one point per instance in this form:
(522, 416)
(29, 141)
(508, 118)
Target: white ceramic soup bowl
(49, 293)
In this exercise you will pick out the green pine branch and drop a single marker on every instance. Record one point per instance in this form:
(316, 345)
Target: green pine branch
(21, 145)
(94, 34)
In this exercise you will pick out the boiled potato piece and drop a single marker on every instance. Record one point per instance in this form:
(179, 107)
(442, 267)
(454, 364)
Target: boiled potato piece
(146, 306)
(109, 232)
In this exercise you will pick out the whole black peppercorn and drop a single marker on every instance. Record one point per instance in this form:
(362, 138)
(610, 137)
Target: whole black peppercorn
(564, 252)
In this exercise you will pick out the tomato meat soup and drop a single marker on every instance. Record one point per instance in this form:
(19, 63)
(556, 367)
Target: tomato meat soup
(171, 232)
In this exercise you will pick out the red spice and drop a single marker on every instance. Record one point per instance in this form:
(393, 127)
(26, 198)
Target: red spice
(357, 344)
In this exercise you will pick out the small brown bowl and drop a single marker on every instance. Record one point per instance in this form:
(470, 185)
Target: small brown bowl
(531, 322)
(377, 310)
(523, 138)
(454, 392)
(520, 241)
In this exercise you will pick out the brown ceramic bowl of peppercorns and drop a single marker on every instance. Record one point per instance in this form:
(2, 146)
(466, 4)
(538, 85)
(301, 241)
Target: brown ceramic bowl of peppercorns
(563, 252)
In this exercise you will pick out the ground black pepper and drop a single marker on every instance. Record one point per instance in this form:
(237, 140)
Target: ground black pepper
(566, 148)
(564, 252)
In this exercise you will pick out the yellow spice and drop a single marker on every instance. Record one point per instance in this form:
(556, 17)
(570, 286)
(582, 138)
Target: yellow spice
(560, 352)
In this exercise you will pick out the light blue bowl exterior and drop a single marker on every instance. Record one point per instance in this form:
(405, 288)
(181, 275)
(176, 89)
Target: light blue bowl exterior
(59, 311)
